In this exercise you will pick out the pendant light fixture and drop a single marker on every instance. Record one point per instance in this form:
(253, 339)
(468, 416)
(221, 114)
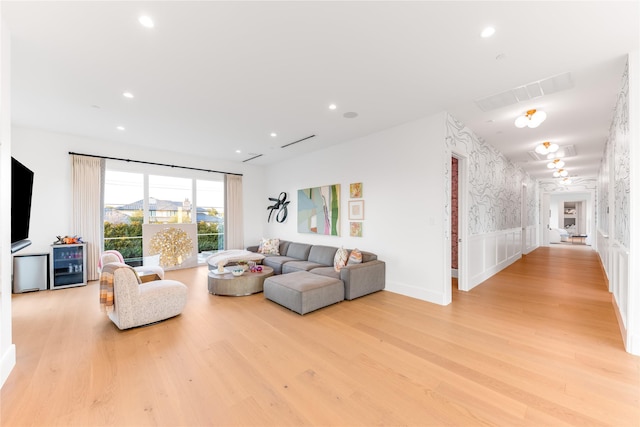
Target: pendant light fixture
(547, 147)
(531, 118)
(560, 172)
(555, 164)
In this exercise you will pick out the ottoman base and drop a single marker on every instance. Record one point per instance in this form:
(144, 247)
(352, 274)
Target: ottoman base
(302, 291)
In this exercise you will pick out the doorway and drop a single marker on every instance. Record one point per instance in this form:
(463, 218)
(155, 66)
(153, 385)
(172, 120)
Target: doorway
(458, 221)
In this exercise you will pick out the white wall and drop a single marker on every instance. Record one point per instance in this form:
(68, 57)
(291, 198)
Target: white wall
(7, 348)
(403, 176)
(51, 204)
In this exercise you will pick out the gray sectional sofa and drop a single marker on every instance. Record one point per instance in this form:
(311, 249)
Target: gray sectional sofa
(305, 278)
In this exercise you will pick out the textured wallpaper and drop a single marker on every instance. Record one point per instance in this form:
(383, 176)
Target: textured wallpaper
(494, 183)
(620, 140)
(616, 157)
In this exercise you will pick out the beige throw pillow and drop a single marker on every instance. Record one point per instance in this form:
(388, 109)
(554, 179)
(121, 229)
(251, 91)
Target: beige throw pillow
(269, 247)
(340, 260)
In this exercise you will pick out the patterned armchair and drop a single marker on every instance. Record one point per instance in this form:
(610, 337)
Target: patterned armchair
(130, 303)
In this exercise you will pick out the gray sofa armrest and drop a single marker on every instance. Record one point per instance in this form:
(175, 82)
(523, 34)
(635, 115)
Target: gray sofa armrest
(253, 248)
(363, 279)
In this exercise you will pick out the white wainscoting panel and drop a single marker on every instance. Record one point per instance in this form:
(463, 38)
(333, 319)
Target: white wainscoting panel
(492, 252)
(531, 238)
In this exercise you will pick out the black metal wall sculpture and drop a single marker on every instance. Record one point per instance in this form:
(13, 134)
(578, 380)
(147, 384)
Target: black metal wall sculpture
(280, 205)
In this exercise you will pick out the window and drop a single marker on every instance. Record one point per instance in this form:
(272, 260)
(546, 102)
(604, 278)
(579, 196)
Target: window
(169, 200)
(123, 214)
(210, 215)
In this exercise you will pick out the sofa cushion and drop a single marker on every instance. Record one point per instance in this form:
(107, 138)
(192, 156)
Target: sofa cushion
(276, 262)
(293, 266)
(299, 251)
(323, 255)
(326, 271)
(368, 256)
(340, 259)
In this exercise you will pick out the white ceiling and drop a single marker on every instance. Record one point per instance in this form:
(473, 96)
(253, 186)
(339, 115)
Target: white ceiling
(215, 77)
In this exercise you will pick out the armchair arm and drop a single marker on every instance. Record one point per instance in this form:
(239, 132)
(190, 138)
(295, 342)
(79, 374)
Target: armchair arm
(363, 279)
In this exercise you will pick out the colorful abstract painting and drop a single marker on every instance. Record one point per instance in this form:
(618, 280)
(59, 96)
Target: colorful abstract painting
(319, 210)
(355, 229)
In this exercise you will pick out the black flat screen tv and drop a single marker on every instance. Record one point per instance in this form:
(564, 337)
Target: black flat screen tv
(21, 189)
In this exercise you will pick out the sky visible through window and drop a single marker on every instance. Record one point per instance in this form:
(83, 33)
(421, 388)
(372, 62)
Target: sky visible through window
(122, 188)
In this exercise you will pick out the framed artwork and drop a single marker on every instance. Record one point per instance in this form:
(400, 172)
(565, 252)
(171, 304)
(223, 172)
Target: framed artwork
(319, 210)
(356, 209)
(355, 229)
(355, 190)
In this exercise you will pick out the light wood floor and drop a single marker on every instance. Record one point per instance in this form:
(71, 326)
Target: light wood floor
(536, 345)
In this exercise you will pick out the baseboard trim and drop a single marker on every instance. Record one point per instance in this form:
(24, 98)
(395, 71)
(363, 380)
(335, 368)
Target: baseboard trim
(7, 363)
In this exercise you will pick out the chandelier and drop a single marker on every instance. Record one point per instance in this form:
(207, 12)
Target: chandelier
(547, 148)
(560, 172)
(532, 119)
(555, 164)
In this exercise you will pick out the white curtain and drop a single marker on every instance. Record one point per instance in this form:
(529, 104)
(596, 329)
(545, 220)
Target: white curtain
(87, 181)
(233, 223)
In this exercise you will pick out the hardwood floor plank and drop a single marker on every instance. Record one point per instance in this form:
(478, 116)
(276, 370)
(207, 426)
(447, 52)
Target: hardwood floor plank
(536, 345)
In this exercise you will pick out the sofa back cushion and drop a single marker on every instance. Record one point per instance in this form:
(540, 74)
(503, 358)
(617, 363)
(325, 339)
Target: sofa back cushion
(322, 254)
(298, 250)
(368, 256)
(284, 245)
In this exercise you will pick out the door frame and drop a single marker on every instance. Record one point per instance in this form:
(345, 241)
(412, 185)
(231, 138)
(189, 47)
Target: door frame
(463, 221)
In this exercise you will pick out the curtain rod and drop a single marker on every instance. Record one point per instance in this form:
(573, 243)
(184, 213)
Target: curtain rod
(152, 163)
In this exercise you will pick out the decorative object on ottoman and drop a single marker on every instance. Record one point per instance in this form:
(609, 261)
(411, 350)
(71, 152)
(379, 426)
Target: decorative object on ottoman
(130, 303)
(233, 256)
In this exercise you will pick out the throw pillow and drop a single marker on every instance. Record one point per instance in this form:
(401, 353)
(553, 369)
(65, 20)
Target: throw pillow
(269, 247)
(340, 260)
(355, 257)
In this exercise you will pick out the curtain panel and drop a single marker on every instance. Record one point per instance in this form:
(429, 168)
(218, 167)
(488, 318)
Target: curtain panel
(87, 181)
(233, 222)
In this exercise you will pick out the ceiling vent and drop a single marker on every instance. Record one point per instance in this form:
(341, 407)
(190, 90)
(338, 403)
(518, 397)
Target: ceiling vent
(254, 156)
(527, 92)
(295, 142)
(564, 151)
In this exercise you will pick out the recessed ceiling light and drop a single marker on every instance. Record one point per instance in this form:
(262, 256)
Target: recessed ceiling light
(487, 32)
(273, 134)
(238, 151)
(127, 95)
(332, 106)
(120, 128)
(146, 22)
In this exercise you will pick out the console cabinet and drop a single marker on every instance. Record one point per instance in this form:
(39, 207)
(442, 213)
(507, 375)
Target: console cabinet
(68, 266)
